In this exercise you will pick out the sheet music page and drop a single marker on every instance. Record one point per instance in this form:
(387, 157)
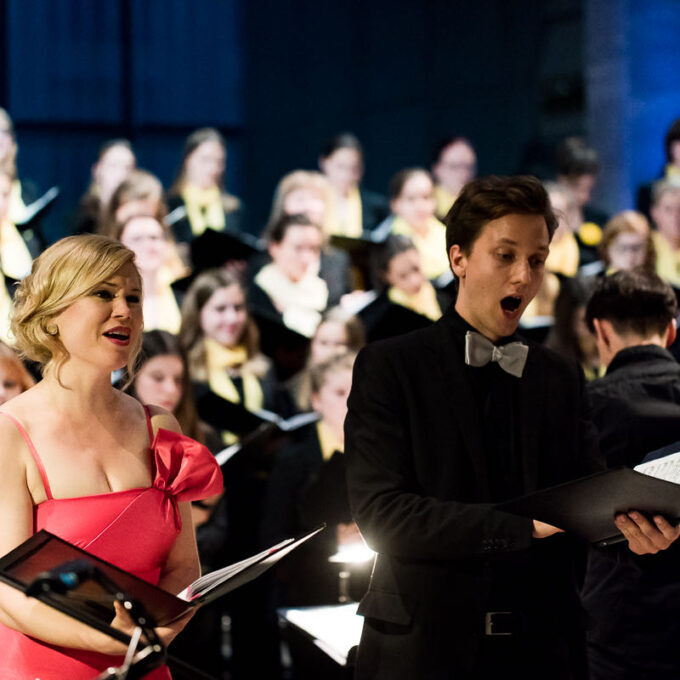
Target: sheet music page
(667, 468)
(335, 628)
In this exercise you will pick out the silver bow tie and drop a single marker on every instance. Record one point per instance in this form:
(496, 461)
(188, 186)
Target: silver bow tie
(479, 351)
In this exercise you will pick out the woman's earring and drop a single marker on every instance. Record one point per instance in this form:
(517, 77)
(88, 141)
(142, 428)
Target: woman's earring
(51, 329)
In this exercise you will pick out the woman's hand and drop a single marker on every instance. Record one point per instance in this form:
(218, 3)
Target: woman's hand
(124, 623)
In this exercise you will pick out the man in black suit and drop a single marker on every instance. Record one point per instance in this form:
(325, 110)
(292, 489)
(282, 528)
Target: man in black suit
(633, 602)
(445, 423)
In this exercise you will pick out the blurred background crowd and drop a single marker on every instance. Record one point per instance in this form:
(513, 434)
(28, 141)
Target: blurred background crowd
(281, 173)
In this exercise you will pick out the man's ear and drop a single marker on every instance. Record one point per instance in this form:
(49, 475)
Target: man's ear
(458, 261)
(603, 331)
(671, 332)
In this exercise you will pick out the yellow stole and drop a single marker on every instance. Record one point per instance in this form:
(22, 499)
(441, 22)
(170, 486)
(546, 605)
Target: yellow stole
(14, 256)
(564, 256)
(431, 245)
(328, 441)
(667, 259)
(17, 207)
(5, 308)
(204, 208)
(444, 199)
(424, 301)
(222, 359)
(345, 214)
(672, 170)
(165, 314)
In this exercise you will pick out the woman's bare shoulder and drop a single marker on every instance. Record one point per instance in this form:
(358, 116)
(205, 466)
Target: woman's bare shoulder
(25, 407)
(160, 418)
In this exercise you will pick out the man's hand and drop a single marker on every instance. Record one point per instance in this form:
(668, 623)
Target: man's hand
(643, 536)
(543, 530)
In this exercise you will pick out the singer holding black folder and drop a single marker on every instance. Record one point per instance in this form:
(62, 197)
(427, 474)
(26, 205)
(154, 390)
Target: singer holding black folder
(443, 424)
(88, 462)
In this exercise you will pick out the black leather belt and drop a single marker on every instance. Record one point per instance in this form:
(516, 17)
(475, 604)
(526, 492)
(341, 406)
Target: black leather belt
(503, 623)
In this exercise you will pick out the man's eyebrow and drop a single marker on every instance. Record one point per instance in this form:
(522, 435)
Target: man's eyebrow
(510, 242)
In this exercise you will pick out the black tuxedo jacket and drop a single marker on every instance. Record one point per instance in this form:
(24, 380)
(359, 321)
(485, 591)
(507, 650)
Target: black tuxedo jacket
(419, 486)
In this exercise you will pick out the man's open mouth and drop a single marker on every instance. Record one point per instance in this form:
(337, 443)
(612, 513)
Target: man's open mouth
(511, 303)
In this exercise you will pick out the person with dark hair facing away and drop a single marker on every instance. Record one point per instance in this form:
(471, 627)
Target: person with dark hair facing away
(577, 168)
(632, 601)
(443, 424)
(454, 164)
(353, 209)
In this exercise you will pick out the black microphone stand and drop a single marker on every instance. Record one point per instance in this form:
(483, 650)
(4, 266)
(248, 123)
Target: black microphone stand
(137, 664)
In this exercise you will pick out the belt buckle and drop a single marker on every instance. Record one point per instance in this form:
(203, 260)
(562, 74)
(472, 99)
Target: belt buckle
(499, 623)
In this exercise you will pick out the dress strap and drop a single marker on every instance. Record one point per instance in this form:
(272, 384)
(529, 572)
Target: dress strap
(34, 453)
(148, 423)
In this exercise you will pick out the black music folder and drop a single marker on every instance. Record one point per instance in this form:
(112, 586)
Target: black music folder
(46, 556)
(586, 507)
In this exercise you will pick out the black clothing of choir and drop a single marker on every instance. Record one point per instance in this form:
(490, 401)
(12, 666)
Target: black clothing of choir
(633, 601)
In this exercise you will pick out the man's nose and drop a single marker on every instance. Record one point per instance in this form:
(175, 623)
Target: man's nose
(522, 271)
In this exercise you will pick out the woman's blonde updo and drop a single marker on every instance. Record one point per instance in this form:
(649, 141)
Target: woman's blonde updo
(65, 272)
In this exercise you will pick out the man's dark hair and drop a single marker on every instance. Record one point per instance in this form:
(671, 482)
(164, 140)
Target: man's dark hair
(576, 158)
(489, 198)
(635, 301)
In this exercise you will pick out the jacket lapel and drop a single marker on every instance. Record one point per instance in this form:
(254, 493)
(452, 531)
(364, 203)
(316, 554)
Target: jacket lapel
(532, 386)
(461, 407)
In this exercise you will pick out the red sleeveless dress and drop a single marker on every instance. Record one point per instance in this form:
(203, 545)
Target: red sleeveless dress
(133, 529)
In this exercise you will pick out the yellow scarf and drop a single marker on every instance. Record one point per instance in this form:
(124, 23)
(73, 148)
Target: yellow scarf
(345, 214)
(424, 301)
(328, 441)
(5, 308)
(667, 259)
(672, 170)
(14, 256)
(301, 302)
(431, 245)
(220, 359)
(564, 256)
(17, 207)
(161, 311)
(204, 208)
(444, 199)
